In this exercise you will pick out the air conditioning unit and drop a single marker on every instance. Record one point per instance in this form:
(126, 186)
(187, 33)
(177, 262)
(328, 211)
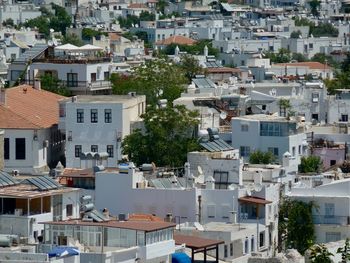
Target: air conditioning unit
(69, 138)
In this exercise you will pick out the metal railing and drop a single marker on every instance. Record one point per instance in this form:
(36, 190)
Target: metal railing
(83, 85)
(331, 220)
(74, 60)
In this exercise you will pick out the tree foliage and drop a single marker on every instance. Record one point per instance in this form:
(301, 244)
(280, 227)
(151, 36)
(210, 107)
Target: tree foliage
(314, 5)
(89, 33)
(345, 251)
(320, 30)
(72, 39)
(259, 157)
(169, 136)
(195, 49)
(310, 164)
(325, 59)
(190, 66)
(295, 34)
(58, 21)
(157, 79)
(320, 254)
(295, 226)
(129, 21)
(8, 22)
(53, 84)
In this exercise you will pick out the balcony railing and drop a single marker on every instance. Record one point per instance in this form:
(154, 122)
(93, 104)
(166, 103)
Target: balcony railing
(331, 220)
(85, 85)
(74, 60)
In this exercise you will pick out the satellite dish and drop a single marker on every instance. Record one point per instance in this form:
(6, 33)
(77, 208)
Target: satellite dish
(200, 170)
(55, 42)
(249, 193)
(223, 115)
(52, 30)
(50, 43)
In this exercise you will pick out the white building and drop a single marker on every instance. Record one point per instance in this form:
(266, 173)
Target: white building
(26, 203)
(339, 107)
(98, 124)
(29, 117)
(268, 133)
(331, 218)
(84, 70)
(181, 200)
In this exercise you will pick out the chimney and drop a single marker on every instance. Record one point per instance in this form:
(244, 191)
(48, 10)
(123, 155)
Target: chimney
(37, 84)
(2, 96)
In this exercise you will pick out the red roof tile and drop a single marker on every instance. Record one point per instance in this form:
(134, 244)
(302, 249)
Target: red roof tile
(138, 5)
(180, 40)
(29, 108)
(311, 65)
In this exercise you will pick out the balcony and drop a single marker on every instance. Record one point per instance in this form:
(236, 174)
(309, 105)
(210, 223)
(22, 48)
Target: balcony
(74, 60)
(331, 220)
(87, 86)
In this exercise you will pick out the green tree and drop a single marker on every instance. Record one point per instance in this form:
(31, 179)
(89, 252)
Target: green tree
(325, 59)
(310, 164)
(259, 157)
(314, 5)
(146, 16)
(191, 67)
(53, 84)
(303, 22)
(320, 254)
(169, 136)
(285, 106)
(295, 225)
(157, 79)
(129, 21)
(299, 57)
(195, 49)
(160, 6)
(324, 30)
(89, 33)
(345, 251)
(72, 39)
(295, 34)
(8, 22)
(282, 56)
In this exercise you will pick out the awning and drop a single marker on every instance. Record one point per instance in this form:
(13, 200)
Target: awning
(63, 251)
(254, 200)
(67, 47)
(89, 47)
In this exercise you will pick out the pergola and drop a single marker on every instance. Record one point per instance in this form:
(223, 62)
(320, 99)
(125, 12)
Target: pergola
(199, 245)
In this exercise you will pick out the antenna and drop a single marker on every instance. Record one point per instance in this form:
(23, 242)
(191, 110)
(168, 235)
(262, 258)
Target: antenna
(257, 187)
(223, 115)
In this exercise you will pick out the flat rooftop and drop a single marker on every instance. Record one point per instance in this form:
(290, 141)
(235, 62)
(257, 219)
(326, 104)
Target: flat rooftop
(105, 98)
(262, 117)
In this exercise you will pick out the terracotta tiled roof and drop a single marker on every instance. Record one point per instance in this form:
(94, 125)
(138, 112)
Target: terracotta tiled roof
(114, 36)
(29, 108)
(310, 65)
(144, 217)
(138, 5)
(223, 70)
(180, 40)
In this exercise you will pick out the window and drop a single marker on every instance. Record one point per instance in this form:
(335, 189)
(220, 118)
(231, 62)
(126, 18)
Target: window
(6, 148)
(77, 150)
(299, 149)
(80, 116)
(311, 45)
(273, 150)
(94, 148)
(332, 236)
(20, 148)
(293, 151)
(231, 249)
(261, 239)
(69, 210)
(245, 151)
(72, 79)
(329, 209)
(221, 179)
(93, 77)
(94, 117)
(211, 211)
(344, 117)
(314, 116)
(244, 127)
(106, 75)
(315, 97)
(333, 162)
(110, 151)
(108, 116)
(225, 251)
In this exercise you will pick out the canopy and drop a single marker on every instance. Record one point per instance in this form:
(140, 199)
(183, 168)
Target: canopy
(180, 258)
(89, 47)
(63, 251)
(67, 47)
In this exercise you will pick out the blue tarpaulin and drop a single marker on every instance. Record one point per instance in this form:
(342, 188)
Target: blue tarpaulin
(180, 258)
(63, 251)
